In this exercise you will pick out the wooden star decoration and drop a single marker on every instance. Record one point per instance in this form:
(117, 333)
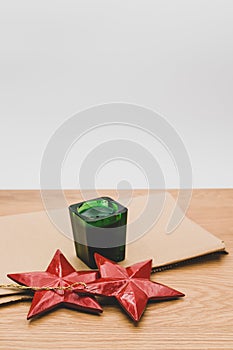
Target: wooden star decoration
(61, 276)
(131, 286)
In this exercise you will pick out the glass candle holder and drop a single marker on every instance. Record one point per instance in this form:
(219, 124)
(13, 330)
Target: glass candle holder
(99, 226)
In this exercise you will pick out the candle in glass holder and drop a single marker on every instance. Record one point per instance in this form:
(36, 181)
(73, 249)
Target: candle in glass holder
(99, 226)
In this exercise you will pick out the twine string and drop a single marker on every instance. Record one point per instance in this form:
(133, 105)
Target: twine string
(17, 286)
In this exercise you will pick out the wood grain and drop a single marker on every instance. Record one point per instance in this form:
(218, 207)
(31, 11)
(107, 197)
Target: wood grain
(201, 320)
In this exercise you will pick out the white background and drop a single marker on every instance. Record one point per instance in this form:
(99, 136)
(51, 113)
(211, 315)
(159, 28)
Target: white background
(60, 57)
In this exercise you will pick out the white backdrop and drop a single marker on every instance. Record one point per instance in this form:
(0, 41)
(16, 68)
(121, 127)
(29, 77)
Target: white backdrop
(59, 57)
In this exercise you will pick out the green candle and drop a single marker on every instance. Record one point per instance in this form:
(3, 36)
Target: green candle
(99, 225)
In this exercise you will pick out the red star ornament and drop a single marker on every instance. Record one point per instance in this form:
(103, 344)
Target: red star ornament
(131, 286)
(60, 273)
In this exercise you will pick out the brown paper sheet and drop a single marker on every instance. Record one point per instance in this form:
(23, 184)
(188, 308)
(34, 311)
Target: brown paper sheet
(28, 241)
(15, 298)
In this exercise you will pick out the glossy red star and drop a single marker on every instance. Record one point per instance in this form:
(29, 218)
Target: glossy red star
(59, 273)
(131, 286)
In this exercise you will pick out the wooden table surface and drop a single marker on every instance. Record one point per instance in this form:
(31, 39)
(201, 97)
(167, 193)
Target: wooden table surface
(201, 320)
